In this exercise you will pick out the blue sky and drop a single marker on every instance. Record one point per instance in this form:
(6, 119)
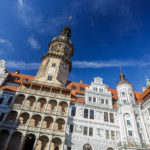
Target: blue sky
(105, 34)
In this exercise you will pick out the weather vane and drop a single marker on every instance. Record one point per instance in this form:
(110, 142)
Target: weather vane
(70, 18)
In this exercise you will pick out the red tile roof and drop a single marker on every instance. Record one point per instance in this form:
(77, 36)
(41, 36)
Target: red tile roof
(11, 78)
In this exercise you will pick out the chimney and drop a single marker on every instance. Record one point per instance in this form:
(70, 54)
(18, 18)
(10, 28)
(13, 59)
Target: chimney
(17, 72)
(80, 81)
(143, 89)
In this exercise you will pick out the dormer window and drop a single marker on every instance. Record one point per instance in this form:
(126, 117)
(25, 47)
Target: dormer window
(73, 87)
(25, 79)
(81, 89)
(15, 78)
(49, 78)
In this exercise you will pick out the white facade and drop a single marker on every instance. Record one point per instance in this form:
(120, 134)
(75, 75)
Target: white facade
(3, 74)
(127, 127)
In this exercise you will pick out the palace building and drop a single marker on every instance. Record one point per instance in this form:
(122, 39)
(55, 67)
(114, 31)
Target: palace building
(48, 112)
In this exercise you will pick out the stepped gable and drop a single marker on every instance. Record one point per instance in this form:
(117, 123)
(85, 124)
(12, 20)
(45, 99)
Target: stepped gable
(75, 86)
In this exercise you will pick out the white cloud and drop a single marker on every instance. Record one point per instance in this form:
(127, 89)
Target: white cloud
(5, 42)
(21, 65)
(109, 63)
(34, 43)
(32, 18)
(20, 3)
(81, 64)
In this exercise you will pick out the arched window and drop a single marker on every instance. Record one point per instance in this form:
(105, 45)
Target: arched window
(87, 147)
(110, 148)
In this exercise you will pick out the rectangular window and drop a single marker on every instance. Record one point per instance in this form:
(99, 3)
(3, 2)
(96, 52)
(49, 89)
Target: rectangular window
(49, 78)
(138, 125)
(128, 122)
(53, 65)
(106, 101)
(9, 101)
(71, 128)
(107, 134)
(105, 116)
(90, 131)
(102, 101)
(91, 114)
(1, 100)
(73, 111)
(112, 135)
(90, 99)
(85, 113)
(111, 117)
(149, 111)
(1, 116)
(130, 133)
(124, 101)
(68, 148)
(94, 99)
(123, 93)
(85, 130)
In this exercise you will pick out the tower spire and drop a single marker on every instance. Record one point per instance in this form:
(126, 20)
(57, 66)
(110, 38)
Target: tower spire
(122, 76)
(66, 32)
(70, 18)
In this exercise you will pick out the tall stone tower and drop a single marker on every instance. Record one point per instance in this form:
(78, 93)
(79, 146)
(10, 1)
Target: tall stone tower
(57, 64)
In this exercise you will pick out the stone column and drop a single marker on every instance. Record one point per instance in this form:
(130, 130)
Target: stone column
(7, 141)
(48, 146)
(34, 146)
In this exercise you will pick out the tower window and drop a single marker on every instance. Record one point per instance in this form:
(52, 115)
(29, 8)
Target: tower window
(50, 78)
(124, 101)
(130, 133)
(128, 122)
(73, 111)
(123, 93)
(53, 65)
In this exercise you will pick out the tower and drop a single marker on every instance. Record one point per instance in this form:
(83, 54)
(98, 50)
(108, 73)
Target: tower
(57, 64)
(128, 110)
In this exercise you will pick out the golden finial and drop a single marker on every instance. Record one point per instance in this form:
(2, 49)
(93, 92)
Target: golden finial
(70, 18)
